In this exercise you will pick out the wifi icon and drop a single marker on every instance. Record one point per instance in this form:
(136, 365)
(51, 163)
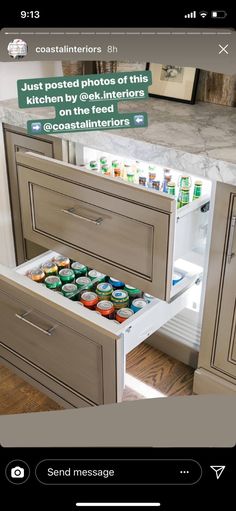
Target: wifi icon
(203, 14)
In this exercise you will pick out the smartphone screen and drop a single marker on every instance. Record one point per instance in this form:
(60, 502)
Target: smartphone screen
(118, 257)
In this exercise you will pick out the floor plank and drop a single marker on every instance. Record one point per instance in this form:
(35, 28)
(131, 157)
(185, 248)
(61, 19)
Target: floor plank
(150, 373)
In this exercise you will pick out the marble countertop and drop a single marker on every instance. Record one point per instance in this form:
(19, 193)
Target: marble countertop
(199, 139)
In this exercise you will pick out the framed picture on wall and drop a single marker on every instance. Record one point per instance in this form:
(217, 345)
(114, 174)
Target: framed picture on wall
(173, 82)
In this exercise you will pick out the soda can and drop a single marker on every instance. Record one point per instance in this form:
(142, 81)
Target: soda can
(67, 276)
(84, 283)
(116, 284)
(117, 172)
(103, 160)
(79, 269)
(70, 291)
(148, 298)
(93, 165)
(53, 282)
(120, 299)
(142, 180)
(49, 268)
(138, 304)
(106, 309)
(130, 176)
(115, 164)
(37, 275)
(96, 275)
(156, 185)
(105, 169)
(104, 291)
(123, 314)
(62, 262)
(133, 292)
(89, 300)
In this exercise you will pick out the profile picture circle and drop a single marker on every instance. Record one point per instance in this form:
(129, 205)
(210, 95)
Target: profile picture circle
(17, 49)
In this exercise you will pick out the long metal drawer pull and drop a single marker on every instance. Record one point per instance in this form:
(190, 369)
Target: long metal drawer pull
(23, 318)
(71, 212)
(231, 239)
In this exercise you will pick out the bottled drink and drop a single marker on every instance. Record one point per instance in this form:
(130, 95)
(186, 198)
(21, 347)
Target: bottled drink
(197, 191)
(171, 188)
(185, 196)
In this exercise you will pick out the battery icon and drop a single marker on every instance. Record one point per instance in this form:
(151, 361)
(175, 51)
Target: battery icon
(218, 14)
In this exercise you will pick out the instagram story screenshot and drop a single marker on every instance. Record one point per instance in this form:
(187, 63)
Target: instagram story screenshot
(118, 257)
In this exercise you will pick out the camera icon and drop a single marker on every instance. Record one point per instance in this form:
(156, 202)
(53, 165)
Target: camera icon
(17, 472)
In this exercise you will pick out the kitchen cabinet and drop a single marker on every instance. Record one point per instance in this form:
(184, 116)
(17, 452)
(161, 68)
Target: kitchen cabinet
(17, 139)
(134, 234)
(216, 370)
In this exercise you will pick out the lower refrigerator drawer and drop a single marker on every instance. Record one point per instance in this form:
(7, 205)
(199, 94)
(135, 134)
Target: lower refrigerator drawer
(72, 345)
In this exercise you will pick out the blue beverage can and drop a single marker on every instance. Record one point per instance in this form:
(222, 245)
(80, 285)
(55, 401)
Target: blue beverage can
(138, 304)
(116, 284)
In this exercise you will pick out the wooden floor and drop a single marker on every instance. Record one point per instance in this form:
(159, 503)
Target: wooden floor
(150, 373)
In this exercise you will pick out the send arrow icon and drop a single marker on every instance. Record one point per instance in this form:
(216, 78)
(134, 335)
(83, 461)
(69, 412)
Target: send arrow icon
(218, 469)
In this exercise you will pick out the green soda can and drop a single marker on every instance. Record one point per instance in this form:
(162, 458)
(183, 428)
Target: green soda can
(120, 299)
(133, 292)
(115, 164)
(197, 191)
(130, 176)
(67, 276)
(96, 275)
(93, 165)
(53, 282)
(105, 169)
(103, 160)
(84, 283)
(171, 188)
(79, 269)
(70, 291)
(104, 291)
(185, 196)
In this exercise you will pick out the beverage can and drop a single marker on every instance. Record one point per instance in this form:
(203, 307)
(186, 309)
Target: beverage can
(133, 292)
(148, 298)
(62, 262)
(104, 291)
(67, 276)
(171, 188)
(138, 304)
(37, 275)
(142, 180)
(70, 291)
(156, 185)
(106, 309)
(96, 275)
(89, 300)
(116, 284)
(84, 283)
(120, 299)
(176, 278)
(49, 268)
(123, 314)
(93, 165)
(79, 269)
(53, 282)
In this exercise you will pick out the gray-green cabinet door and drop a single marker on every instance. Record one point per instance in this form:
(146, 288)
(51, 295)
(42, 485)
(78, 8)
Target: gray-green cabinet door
(44, 339)
(16, 140)
(122, 230)
(224, 357)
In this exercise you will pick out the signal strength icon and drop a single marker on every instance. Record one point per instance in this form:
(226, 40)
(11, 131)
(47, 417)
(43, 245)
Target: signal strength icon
(192, 14)
(203, 14)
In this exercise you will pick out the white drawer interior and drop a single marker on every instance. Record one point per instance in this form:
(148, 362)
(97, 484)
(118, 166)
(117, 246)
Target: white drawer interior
(135, 329)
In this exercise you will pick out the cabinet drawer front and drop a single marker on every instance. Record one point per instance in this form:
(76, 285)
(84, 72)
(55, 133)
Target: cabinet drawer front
(60, 351)
(127, 233)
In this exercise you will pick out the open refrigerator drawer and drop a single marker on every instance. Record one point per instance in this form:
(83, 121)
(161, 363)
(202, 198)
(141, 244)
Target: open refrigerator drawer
(74, 347)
